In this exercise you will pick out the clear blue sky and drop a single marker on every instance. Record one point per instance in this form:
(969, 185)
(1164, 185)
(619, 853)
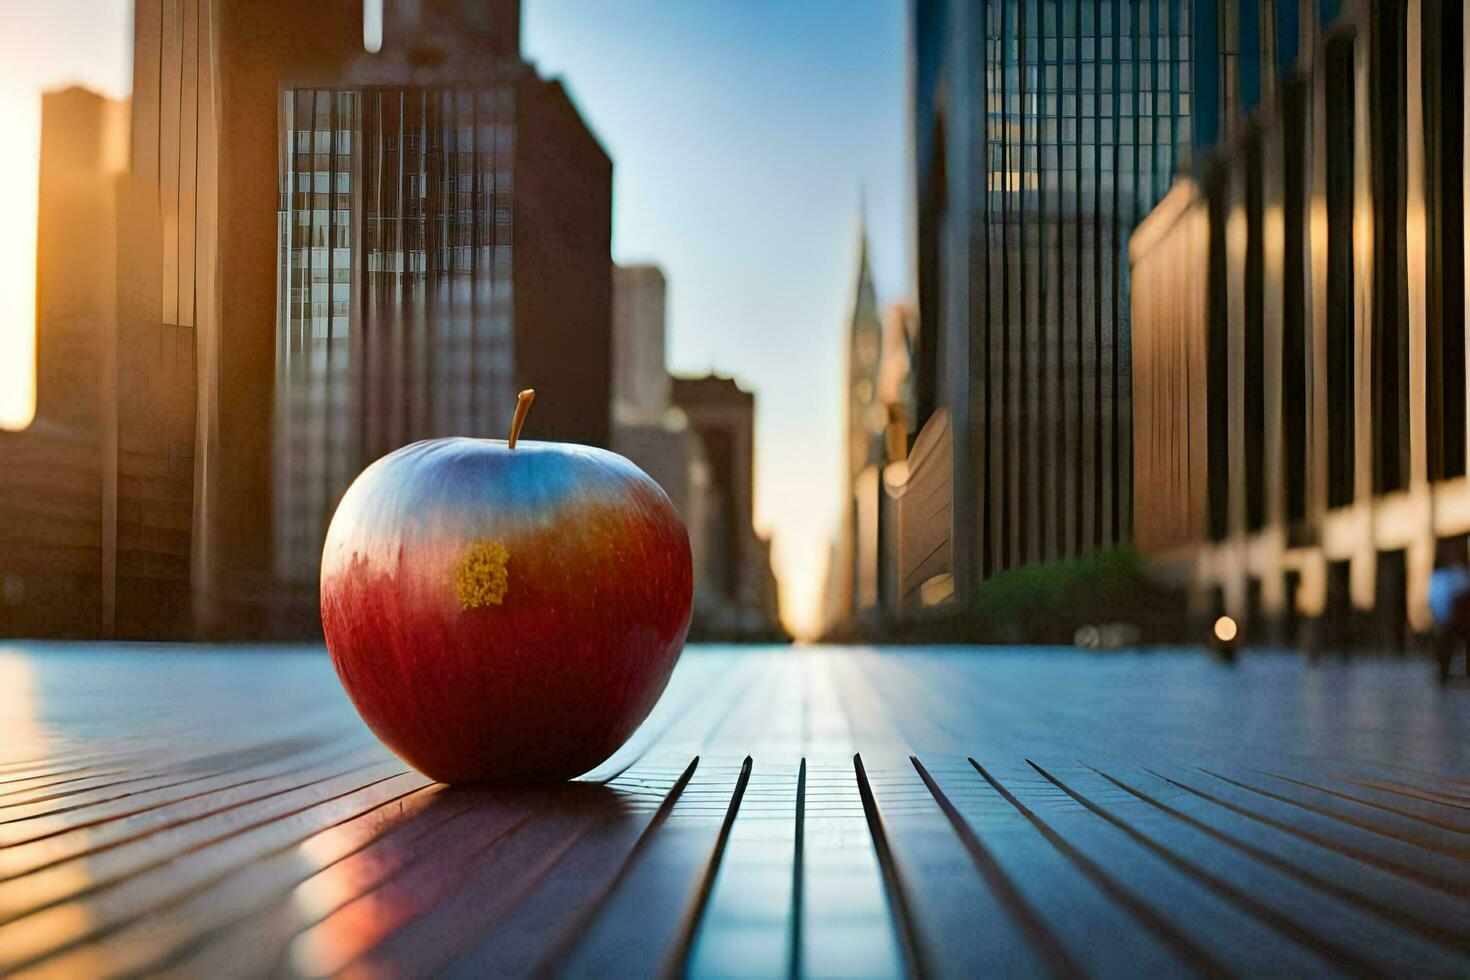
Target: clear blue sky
(741, 132)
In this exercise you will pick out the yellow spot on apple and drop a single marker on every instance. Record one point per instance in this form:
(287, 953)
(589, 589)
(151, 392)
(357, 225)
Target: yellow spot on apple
(481, 579)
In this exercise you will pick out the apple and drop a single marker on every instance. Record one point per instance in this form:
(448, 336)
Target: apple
(501, 610)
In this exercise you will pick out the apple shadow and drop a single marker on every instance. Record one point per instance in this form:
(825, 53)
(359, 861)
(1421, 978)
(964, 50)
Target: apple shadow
(490, 861)
(579, 797)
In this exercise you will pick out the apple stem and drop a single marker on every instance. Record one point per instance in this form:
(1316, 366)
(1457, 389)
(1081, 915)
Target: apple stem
(523, 408)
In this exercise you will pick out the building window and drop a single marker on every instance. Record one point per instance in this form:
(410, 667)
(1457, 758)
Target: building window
(1339, 166)
(1390, 273)
(1293, 299)
(1217, 357)
(1443, 54)
(1255, 343)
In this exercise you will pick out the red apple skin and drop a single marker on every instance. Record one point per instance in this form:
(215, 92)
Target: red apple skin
(503, 614)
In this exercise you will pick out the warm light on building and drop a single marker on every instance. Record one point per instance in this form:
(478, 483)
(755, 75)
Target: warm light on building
(43, 50)
(1299, 343)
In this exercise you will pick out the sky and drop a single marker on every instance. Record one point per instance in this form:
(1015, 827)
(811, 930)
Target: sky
(743, 135)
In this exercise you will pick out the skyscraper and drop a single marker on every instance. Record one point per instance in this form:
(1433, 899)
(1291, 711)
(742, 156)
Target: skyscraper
(1044, 131)
(59, 477)
(428, 226)
(738, 586)
(444, 241)
(640, 371)
(857, 562)
(1301, 368)
(325, 252)
(648, 428)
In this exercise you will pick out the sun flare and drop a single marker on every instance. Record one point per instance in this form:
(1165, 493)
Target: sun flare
(45, 46)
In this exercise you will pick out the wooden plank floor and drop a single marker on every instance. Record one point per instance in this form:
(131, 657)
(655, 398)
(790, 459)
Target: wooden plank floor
(190, 811)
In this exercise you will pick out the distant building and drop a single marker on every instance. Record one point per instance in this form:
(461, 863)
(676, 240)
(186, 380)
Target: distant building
(739, 587)
(900, 522)
(640, 372)
(863, 587)
(856, 565)
(59, 478)
(895, 371)
(647, 427)
(428, 227)
(696, 438)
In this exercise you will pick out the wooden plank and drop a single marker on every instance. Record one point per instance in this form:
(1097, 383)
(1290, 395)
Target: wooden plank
(585, 846)
(31, 788)
(360, 914)
(961, 905)
(1407, 860)
(1085, 921)
(845, 927)
(861, 837)
(29, 895)
(1341, 932)
(1459, 800)
(1440, 813)
(1424, 778)
(99, 831)
(248, 915)
(753, 906)
(644, 923)
(82, 800)
(291, 817)
(1168, 899)
(1387, 895)
(500, 882)
(1108, 926)
(560, 904)
(1344, 809)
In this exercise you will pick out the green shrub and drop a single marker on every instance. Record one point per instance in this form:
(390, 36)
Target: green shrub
(1057, 597)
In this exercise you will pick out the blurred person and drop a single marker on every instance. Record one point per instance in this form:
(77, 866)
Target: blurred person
(1449, 602)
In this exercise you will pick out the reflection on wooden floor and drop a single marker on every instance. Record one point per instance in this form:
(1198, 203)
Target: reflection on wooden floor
(200, 812)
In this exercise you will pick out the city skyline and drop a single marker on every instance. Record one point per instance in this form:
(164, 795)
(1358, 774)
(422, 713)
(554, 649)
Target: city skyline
(689, 159)
(999, 477)
(1043, 132)
(430, 233)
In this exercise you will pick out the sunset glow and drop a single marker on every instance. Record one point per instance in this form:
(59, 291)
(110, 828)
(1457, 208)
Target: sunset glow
(758, 301)
(45, 46)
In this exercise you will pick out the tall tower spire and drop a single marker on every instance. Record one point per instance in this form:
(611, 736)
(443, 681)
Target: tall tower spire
(865, 342)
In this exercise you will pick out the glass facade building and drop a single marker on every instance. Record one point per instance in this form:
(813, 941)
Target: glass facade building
(395, 321)
(1044, 132)
(442, 239)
